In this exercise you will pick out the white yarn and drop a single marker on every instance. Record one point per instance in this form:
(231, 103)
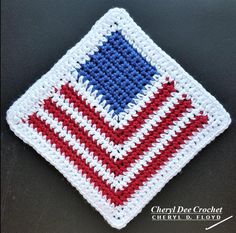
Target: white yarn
(64, 71)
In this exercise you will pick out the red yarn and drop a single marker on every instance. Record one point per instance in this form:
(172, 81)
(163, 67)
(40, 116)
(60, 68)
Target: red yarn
(118, 197)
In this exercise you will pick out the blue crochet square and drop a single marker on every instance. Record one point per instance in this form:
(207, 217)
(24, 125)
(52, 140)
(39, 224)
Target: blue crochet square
(117, 71)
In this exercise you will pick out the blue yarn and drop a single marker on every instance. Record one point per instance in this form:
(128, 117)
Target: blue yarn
(117, 71)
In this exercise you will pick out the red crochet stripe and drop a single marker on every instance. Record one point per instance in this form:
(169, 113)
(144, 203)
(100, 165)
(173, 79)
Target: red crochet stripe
(68, 151)
(119, 197)
(80, 133)
(119, 166)
(156, 164)
(118, 135)
(146, 143)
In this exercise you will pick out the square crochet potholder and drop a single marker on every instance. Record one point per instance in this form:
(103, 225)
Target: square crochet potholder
(117, 117)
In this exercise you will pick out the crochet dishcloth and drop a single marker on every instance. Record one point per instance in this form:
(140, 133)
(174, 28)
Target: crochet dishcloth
(117, 117)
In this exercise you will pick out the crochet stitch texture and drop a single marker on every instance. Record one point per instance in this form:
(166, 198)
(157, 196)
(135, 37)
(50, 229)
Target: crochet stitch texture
(117, 117)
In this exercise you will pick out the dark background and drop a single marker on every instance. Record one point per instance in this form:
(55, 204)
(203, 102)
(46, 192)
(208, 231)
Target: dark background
(200, 35)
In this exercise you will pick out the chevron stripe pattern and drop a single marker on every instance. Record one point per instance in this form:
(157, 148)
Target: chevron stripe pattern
(116, 120)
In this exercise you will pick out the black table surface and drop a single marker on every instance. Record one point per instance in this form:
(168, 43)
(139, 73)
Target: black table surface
(200, 35)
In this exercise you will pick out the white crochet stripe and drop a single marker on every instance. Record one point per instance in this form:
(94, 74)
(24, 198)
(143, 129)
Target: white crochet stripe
(120, 181)
(153, 120)
(32, 100)
(134, 204)
(156, 148)
(159, 179)
(104, 141)
(30, 104)
(85, 90)
(83, 121)
(61, 162)
(87, 156)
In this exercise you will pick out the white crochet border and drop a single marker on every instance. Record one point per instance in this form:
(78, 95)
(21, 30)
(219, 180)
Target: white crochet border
(28, 103)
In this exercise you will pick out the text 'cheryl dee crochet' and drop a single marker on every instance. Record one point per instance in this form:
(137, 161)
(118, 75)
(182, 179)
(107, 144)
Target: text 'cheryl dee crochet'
(117, 117)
